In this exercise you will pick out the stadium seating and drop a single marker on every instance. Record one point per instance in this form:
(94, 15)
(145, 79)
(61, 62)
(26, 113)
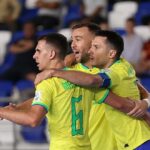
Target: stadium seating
(6, 89)
(126, 7)
(36, 134)
(146, 83)
(6, 133)
(5, 37)
(7, 63)
(121, 11)
(120, 31)
(24, 85)
(143, 10)
(143, 31)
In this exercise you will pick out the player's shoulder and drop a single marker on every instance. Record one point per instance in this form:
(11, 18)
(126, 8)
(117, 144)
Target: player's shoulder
(120, 63)
(83, 68)
(45, 82)
(77, 66)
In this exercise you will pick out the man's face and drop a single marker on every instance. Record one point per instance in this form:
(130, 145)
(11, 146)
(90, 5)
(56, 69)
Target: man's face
(29, 30)
(42, 54)
(81, 43)
(129, 26)
(99, 52)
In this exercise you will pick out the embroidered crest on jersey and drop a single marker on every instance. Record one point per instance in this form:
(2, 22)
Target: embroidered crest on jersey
(37, 96)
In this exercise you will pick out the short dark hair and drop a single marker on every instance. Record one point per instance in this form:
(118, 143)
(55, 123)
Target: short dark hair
(114, 39)
(57, 40)
(92, 27)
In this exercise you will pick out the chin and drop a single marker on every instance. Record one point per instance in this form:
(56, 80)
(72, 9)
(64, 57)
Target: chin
(78, 60)
(40, 69)
(93, 63)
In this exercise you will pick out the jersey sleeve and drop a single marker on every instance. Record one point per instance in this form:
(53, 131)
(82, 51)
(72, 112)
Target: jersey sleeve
(43, 95)
(114, 76)
(100, 95)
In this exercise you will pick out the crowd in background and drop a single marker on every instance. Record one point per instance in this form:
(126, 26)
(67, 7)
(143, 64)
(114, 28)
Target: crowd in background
(22, 22)
(26, 20)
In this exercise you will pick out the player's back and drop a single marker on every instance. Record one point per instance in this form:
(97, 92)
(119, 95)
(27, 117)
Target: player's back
(68, 108)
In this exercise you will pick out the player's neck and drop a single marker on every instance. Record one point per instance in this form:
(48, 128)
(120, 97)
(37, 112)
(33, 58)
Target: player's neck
(110, 63)
(57, 64)
(88, 64)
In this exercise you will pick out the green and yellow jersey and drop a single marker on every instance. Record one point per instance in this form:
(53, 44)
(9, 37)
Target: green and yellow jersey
(129, 132)
(100, 133)
(68, 110)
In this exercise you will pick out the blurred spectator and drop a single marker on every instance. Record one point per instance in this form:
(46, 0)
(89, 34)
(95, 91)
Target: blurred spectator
(133, 43)
(146, 50)
(77, 5)
(24, 66)
(104, 25)
(49, 12)
(95, 8)
(144, 66)
(74, 11)
(9, 12)
(5, 38)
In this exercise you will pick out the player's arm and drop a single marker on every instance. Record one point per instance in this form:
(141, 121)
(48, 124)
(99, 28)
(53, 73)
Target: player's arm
(124, 105)
(142, 106)
(79, 78)
(31, 117)
(26, 105)
(21, 106)
(76, 77)
(129, 106)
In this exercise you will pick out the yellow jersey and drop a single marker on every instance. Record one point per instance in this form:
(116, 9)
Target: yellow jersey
(68, 110)
(100, 133)
(129, 132)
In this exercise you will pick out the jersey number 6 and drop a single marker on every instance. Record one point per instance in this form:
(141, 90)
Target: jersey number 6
(77, 117)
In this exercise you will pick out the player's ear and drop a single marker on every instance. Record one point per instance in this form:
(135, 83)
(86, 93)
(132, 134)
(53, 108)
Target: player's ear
(112, 53)
(52, 54)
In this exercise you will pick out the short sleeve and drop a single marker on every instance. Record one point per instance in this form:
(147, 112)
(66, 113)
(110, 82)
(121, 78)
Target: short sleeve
(114, 76)
(100, 95)
(43, 95)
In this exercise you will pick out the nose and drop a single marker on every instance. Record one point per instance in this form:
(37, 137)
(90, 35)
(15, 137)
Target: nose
(90, 51)
(73, 44)
(34, 56)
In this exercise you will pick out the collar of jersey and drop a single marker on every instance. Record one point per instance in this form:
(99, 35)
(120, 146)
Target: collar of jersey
(84, 67)
(116, 61)
(65, 68)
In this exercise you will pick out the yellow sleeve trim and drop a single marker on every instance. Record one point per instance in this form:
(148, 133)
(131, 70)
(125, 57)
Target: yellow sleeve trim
(41, 104)
(100, 101)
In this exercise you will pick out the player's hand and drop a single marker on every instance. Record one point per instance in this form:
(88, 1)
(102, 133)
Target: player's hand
(43, 76)
(10, 106)
(139, 110)
(70, 60)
